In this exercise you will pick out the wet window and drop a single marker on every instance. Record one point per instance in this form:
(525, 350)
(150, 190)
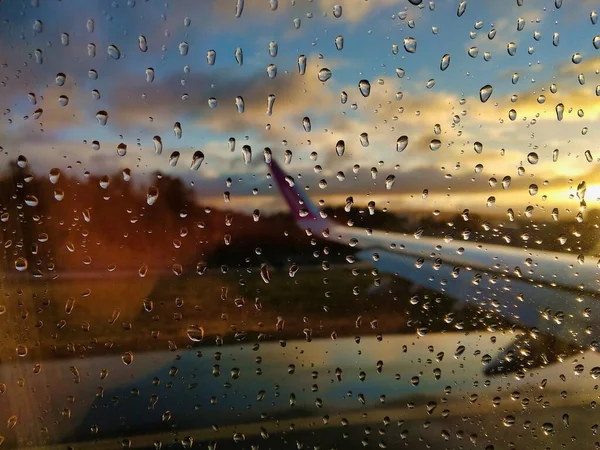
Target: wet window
(303, 224)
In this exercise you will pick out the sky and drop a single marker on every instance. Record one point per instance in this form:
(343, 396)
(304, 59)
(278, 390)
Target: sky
(409, 96)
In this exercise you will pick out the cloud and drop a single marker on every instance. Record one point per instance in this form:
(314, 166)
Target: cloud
(353, 11)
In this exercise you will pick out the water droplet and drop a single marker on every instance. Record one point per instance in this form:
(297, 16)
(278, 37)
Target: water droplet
(297, 22)
(520, 24)
(177, 131)
(273, 48)
(239, 56)
(508, 421)
(102, 117)
(184, 48)
(231, 144)
(267, 155)
(195, 333)
(560, 109)
(247, 154)
(302, 65)
(90, 25)
(31, 200)
(69, 305)
(343, 97)
(270, 103)
(60, 79)
(54, 175)
(239, 8)
(324, 74)
(39, 56)
(152, 195)
(337, 11)
(364, 139)
(533, 189)
(158, 145)
(21, 264)
(445, 62)
(211, 57)
(64, 39)
(389, 182)
(512, 114)
(91, 49)
(122, 149)
(174, 158)
(473, 52)
(594, 17)
(104, 182)
(435, 145)
(478, 147)
(239, 103)
(462, 7)
(149, 75)
(410, 44)
(142, 43)
(588, 156)
(37, 113)
(306, 124)
(21, 161)
(12, 422)
(576, 58)
(265, 274)
(114, 52)
(274, 4)
(511, 48)
(127, 358)
(532, 158)
(339, 42)
(271, 71)
(38, 26)
(402, 143)
(22, 350)
(63, 100)
(547, 428)
(400, 72)
(197, 160)
(340, 147)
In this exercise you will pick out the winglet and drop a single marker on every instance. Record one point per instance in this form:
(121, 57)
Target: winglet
(307, 214)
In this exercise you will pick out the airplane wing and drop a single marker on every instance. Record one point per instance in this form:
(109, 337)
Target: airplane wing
(551, 327)
(556, 313)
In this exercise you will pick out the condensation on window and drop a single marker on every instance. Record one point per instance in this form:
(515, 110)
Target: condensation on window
(307, 224)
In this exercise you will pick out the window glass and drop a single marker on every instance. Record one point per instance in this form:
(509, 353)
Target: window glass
(303, 224)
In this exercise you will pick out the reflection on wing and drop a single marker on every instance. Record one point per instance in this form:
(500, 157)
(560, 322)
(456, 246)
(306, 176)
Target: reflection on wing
(527, 352)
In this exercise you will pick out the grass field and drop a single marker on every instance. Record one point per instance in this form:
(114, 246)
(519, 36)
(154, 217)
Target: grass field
(84, 314)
